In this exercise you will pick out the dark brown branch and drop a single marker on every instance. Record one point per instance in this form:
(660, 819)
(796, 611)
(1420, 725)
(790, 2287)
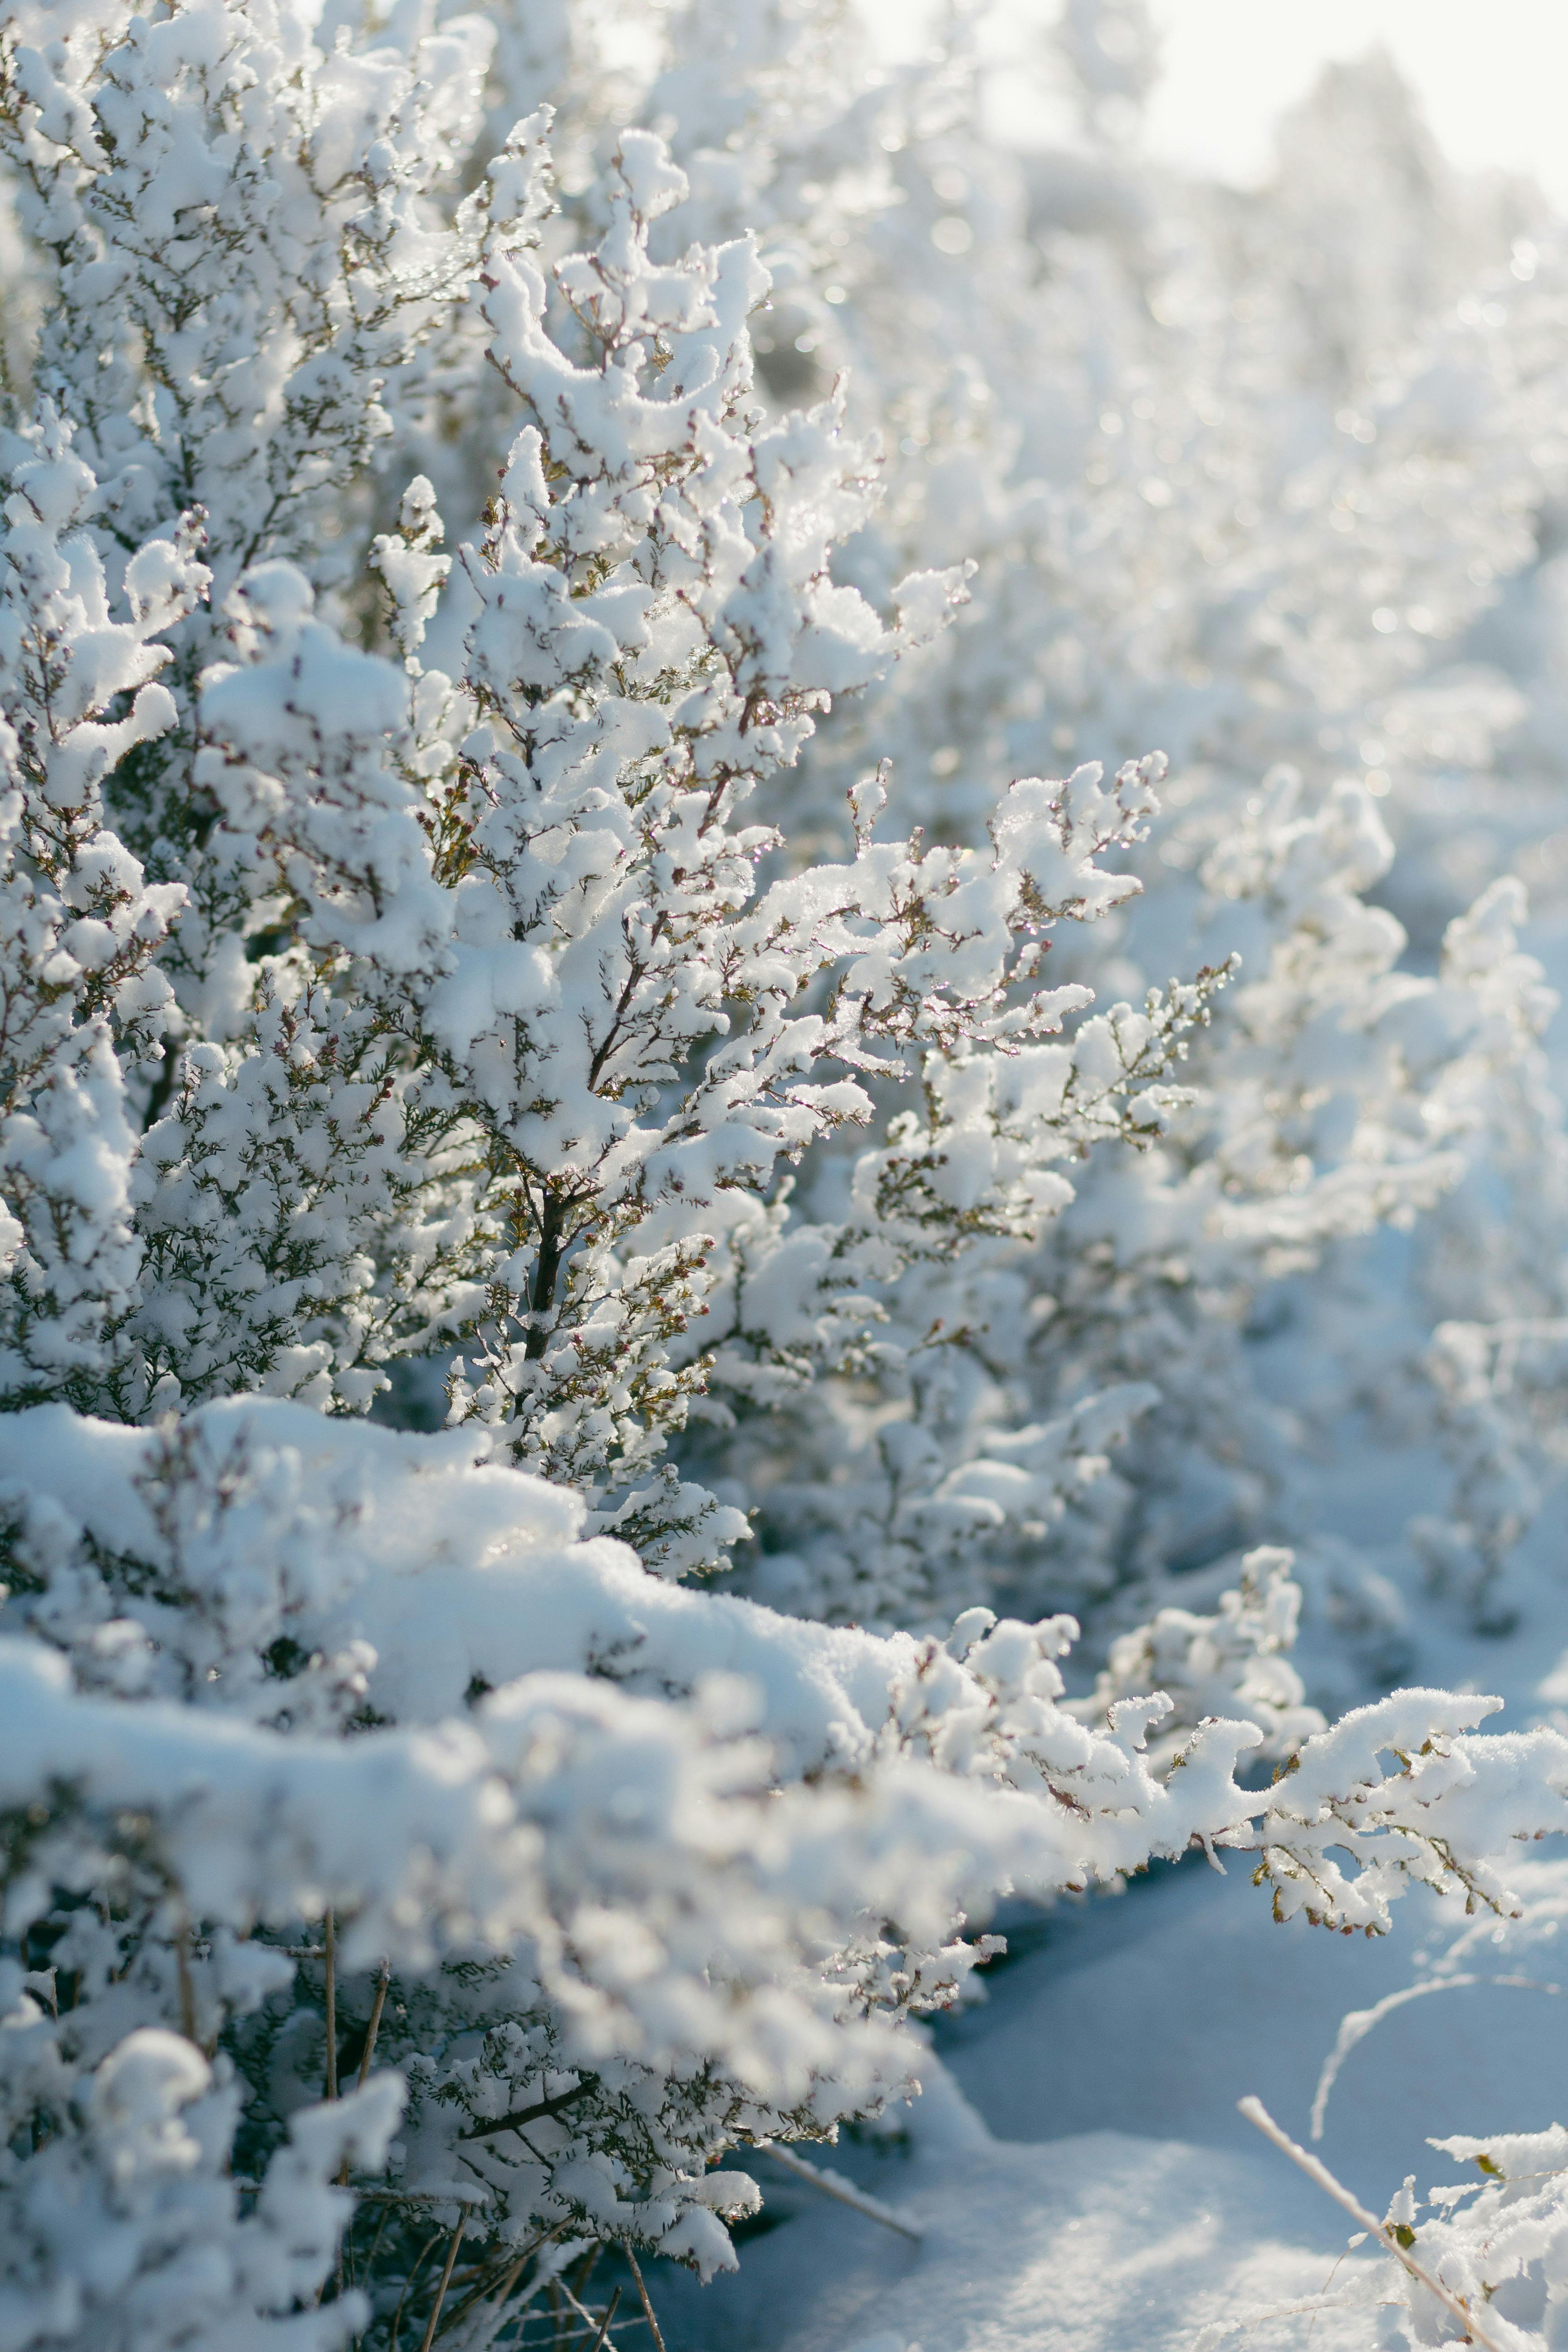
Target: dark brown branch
(552, 1248)
(541, 2108)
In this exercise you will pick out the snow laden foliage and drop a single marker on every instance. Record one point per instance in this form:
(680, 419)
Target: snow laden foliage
(592, 1931)
(1496, 2241)
(466, 959)
(1276, 484)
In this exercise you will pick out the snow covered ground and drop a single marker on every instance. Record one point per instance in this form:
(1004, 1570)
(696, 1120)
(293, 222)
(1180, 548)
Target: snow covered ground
(1101, 2242)
(1177, 2226)
(1077, 2164)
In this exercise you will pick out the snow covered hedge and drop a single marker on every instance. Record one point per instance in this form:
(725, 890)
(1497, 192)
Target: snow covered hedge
(410, 1880)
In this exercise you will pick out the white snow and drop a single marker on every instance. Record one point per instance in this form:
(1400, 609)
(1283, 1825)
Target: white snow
(1096, 2189)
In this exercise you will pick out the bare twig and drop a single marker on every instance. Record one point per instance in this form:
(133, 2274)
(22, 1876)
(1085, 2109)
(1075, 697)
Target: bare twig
(375, 2242)
(331, 1959)
(187, 1989)
(1315, 2170)
(495, 2289)
(371, 2029)
(501, 2284)
(532, 2114)
(429, 2337)
(831, 2186)
(418, 2266)
(374, 2028)
(646, 2305)
(1358, 2023)
(575, 2300)
(456, 2195)
(572, 2298)
(1355, 2025)
(598, 2341)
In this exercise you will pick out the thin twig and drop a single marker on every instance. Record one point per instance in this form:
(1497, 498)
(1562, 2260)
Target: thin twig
(496, 2290)
(532, 2114)
(1315, 2170)
(374, 2028)
(575, 2300)
(831, 2186)
(1358, 2023)
(332, 1957)
(456, 2195)
(187, 1989)
(418, 2265)
(375, 2247)
(441, 2291)
(589, 2264)
(598, 2341)
(510, 2278)
(647, 2307)
(330, 1948)
(371, 2029)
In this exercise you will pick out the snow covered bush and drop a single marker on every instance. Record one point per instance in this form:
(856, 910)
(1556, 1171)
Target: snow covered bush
(424, 971)
(1280, 513)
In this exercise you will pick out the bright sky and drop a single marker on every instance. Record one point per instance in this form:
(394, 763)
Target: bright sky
(1491, 74)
